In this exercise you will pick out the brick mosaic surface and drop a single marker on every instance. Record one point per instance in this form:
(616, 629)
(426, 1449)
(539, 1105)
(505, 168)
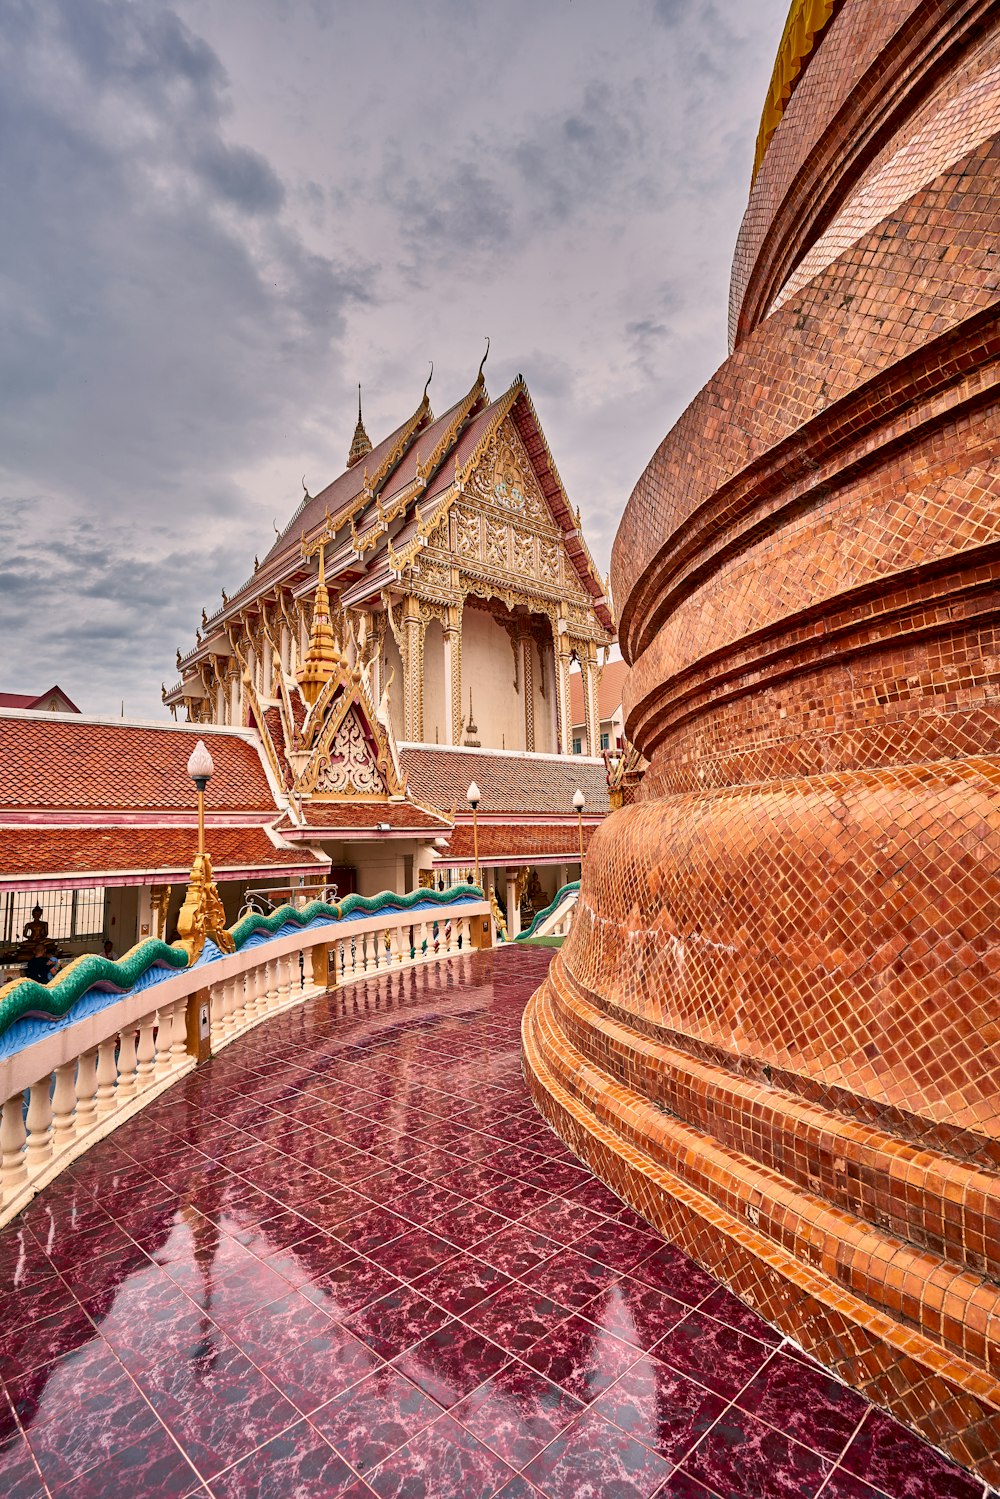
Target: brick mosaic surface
(284, 1279)
(773, 1027)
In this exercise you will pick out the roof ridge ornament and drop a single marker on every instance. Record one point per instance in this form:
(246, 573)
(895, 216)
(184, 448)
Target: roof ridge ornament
(482, 362)
(430, 377)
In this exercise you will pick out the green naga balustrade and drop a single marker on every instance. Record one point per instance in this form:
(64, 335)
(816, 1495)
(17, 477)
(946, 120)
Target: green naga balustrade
(24, 997)
(544, 915)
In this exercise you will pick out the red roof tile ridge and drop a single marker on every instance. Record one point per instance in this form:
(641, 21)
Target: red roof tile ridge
(500, 754)
(199, 730)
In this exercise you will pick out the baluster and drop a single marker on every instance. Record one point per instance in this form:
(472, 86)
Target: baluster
(265, 988)
(164, 1026)
(64, 1107)
(178, 1043)
(308, 979)
(284, 967)
(126, 1063)
(107, 1074)
(86, 1091)
(392, 956)
(38, 1151)
(370, 949)
(13, 1170)
(232, 1003)
(145, 1052)
(216, 1005)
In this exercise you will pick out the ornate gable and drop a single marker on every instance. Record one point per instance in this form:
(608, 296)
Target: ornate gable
(499, 527)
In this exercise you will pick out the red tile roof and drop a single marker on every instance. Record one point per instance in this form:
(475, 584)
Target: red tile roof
(166, 853)
(346, 816)
(515, 783)
(609, 694)
(524, 843)
(39, 700)
(49, 763)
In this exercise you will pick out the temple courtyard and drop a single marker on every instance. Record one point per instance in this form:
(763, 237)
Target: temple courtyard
(347, 1257)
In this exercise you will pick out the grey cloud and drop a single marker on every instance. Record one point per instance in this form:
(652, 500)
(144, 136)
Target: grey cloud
(225, 214)
(241, 177)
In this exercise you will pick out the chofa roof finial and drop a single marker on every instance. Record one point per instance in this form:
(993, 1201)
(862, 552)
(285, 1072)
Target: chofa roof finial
(430, 377)
(484, 358)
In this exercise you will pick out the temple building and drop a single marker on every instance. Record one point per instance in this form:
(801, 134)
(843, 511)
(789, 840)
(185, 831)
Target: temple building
(413, 631)
(773, 1026)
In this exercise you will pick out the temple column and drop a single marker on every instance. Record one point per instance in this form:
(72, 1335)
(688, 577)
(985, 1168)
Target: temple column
(513, 909)
(144, 922)
(590, 707)
(562, 647)
(525, 667)
(453, 675)
(413, 686)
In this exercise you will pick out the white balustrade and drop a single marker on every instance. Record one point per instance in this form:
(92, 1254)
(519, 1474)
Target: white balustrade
(64, 1092)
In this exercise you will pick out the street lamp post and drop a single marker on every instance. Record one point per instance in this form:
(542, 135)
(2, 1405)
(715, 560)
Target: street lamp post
(200, 769)
(579, 802)
(473, 798)
(202, 914)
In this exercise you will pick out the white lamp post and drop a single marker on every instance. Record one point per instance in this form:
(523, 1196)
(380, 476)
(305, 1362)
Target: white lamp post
(201, 770)
(472, 796)
(579, 802)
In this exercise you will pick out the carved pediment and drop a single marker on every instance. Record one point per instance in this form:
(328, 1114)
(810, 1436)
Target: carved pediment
(348, 766)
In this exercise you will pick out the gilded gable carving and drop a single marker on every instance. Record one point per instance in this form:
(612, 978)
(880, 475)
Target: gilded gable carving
(548, 560)
(523, 552)
(349, 765)
(468, 538)
(504, 478)
(496, 542)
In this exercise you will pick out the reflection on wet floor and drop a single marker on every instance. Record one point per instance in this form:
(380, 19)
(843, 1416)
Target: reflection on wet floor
(348, 1258)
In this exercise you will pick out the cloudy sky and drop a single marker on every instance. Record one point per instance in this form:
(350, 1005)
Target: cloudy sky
(219, 215)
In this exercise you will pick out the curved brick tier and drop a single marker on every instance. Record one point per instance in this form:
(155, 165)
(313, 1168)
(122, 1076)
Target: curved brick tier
(775, 1026)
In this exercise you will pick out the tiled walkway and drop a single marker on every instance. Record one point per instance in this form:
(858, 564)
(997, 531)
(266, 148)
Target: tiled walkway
(347, 1258)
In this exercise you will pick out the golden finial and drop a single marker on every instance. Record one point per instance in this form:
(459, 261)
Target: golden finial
(361, 444)
(430, 377)
(482, 364)
(277, 533)
(304, 489)
(179, 658)
(322, 658)
(204, 617)
(225, 598)
(256, 563)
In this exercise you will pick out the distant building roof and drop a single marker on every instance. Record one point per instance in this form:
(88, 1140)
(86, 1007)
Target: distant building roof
(514, 782)
(609, 694)
(518, 843)
(79, 763)
(107, 801)
(36, 857)
(54, 700)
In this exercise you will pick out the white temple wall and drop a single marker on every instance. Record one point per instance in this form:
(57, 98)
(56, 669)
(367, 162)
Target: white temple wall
(436, 726)
(392, 672)
(488, 667)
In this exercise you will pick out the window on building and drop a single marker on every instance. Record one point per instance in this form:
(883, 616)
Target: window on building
(605, 741)
(71, 914)
(578, 746)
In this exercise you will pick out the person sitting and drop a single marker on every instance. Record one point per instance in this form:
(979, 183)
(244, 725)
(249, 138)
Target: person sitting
(37, 966)
(109, 951)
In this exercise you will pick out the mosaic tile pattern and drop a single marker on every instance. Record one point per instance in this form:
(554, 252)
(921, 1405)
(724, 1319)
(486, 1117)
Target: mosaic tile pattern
(245, 1291)
(773, 1027)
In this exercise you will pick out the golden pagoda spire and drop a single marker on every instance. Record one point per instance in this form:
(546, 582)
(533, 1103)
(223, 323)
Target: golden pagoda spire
(322, 658)
(361, 446)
